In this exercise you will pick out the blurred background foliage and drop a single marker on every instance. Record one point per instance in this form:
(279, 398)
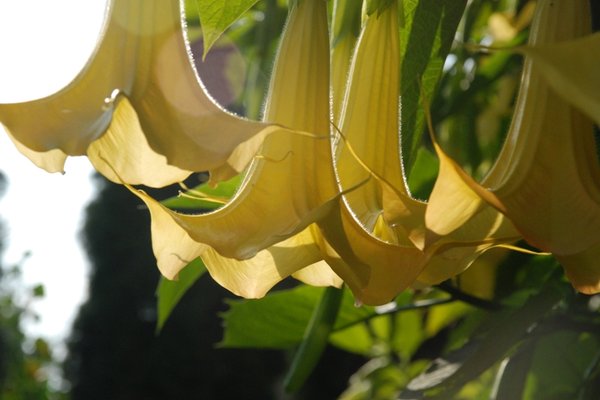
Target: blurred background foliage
(24, 361)
(510, 327)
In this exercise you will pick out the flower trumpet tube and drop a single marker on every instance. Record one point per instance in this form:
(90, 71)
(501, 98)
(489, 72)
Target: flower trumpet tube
(261, 235)
(546, 176)
(375, 270)
(381, 214)
(140, 102)
(369, 117)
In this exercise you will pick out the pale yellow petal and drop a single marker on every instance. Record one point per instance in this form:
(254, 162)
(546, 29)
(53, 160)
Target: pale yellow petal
(254, 277)
(375, 271)
(291, 182)
(123, 154)
(76, 115)
(452, 201)
(171, 244)
(142, 55)
(578, 81)
(319, 274)
(546, 177)
(369, 117)
(51, 160)
(583, 269)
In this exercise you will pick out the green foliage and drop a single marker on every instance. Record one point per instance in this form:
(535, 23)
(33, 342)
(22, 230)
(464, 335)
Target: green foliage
(205, 196)
(23, 360)
(217, 15)
(491, 333)
(314, 339)
(426, 38)
(169, 292)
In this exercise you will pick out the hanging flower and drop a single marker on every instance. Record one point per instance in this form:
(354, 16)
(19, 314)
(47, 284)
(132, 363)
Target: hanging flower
(137, 106)
(309, 205)
(262, 235)
(265, 234)
(546, 176)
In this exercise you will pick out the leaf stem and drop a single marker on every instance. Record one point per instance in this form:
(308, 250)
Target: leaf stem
(475, 301)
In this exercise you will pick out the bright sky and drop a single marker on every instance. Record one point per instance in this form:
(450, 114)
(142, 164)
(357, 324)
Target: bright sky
(43, 45)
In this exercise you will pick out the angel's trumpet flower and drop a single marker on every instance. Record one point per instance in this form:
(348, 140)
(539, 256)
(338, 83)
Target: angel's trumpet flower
(380, 229)
(140, 105)
(261, 235)
(546, 178)
(374, 270)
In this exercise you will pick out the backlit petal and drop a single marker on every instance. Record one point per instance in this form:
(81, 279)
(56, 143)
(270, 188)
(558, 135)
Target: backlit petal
(142, 55)
(375, 271)
(369, 117)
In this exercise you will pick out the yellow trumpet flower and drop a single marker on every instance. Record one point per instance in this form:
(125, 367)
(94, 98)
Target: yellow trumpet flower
(262, 235)
(546, 176)
(380, 229)
(137, 104)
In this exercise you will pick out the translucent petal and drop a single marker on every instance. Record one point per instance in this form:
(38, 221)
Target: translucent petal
(124, 148)
(174, 249)
(582, 269)
(546, 177)
(51, 160)
(375, 271)
(577, 82)
(259, 237)
(319, 274)
(254, 277)
(143, 55)
(369, 117)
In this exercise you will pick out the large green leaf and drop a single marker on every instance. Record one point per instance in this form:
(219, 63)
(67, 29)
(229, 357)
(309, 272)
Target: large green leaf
(279, 319)
(169, 292)
(314, 340)
(426, 38)
(494, 341)
(560, 365)
(218, 15)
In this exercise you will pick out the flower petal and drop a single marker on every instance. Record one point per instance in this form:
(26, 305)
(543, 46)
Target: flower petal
(546, 176)
(174, 249)
(143, 55)
(254, 277)
(369, 117)
(319, 274)
(577, 82)
(375, 271)
(76, 115)
(51, 160)
(123, 153)
(582, 269)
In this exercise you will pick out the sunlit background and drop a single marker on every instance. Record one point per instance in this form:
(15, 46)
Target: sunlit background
(43, 45)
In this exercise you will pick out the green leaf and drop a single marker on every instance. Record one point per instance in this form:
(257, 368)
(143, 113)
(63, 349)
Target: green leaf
(559, 365)
(217, 15)
(314, 340)
(279, 319)
(276, 321)
(169, 293)
(346, 21)
(422, 176)
(217, 196)
(426, 38)
(512, 374)
(468, 362)
(377, 6)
